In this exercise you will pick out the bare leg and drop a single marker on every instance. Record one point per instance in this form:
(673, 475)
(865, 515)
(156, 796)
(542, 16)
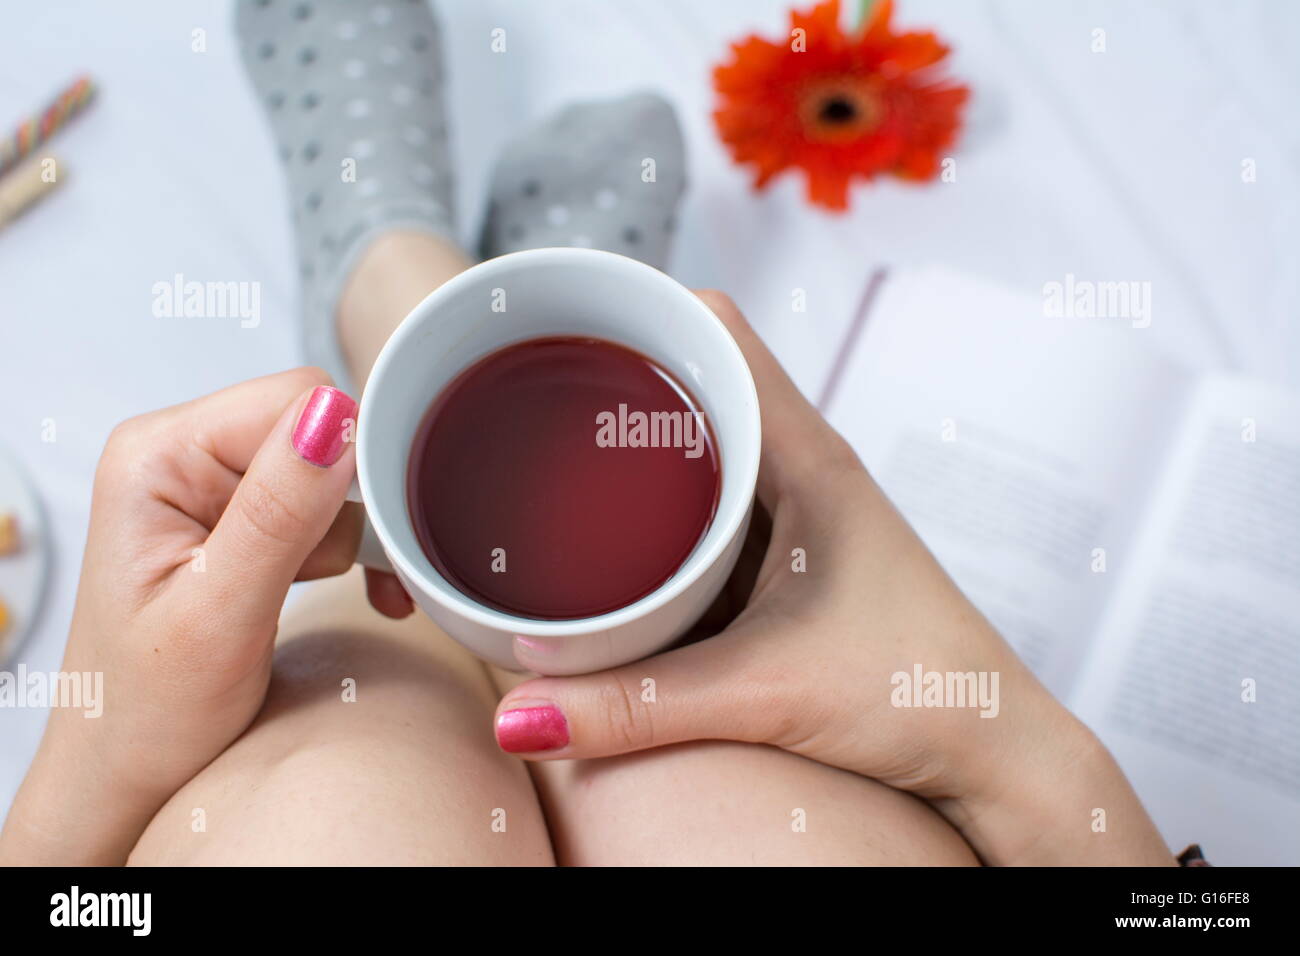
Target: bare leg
(722, 803)
(374, 747)
(392, 276)
(717, 803)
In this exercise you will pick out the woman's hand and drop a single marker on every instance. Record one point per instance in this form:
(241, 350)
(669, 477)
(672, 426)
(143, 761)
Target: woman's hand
(203, 515)
(839, 597)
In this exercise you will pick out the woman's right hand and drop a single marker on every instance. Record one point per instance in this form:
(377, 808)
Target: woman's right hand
(844, 597)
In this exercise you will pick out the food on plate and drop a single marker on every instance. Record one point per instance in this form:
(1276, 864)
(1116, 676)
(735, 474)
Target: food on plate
(10, 541)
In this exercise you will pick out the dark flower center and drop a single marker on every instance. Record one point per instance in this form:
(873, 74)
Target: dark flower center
(838, 109)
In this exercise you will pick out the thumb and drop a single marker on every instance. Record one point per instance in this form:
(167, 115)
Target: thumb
(283, 506)
(799, 447)
(694, 693)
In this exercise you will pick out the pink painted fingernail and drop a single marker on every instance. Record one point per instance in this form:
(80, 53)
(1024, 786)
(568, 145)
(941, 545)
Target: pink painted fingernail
(532, 729)
(319, 435)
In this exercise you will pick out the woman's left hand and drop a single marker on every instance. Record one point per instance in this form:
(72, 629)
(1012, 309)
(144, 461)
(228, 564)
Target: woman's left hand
(203, 515)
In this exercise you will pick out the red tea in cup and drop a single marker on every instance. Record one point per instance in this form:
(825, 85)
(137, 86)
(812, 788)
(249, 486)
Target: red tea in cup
(562, 477)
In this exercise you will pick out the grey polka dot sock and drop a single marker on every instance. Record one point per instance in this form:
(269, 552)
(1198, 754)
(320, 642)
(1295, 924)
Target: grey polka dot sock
(353, 93)
(605, 174)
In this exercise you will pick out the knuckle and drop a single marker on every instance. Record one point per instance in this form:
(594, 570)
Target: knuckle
(270, 512)
(780, 710)
(829, 470)
(127, 447)
(839, 457)
(127, 436)
(718, 301)
(626, 715)
(725, 308)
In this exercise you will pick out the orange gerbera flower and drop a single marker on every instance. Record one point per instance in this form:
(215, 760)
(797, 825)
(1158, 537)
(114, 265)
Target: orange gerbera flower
(838, 105)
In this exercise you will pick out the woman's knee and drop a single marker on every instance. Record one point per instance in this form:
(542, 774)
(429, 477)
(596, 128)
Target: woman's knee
(716, 802)
(367, 751)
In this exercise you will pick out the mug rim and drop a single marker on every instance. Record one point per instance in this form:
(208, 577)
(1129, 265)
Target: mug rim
(722, 530)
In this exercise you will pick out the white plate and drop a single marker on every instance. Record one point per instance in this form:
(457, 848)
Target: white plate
(23, 574)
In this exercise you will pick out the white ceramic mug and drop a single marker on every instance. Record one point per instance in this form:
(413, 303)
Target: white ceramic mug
(525, 295)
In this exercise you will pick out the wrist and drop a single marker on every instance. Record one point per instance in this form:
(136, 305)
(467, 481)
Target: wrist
(73, 810)
(1051, 795)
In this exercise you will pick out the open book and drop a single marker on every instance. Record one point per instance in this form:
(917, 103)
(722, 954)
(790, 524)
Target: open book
(1132, 529)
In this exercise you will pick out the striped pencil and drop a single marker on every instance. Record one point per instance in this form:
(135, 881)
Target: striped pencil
(20, 190)
(38, 129)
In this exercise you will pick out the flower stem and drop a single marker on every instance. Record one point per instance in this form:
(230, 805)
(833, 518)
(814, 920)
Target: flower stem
(864, 13)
